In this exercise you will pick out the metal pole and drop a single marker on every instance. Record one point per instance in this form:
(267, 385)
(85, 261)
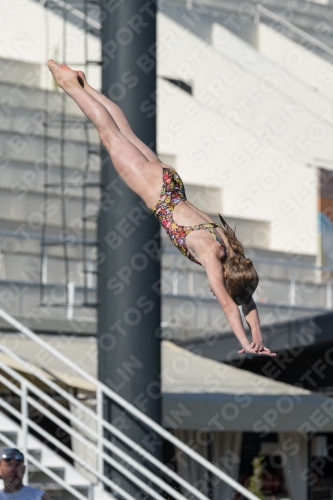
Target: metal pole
(293, 287)
(329, 291)
(24, 411)
(44, 264)
(71, 299)
(100, 430)
(175, 276)
(128, 271)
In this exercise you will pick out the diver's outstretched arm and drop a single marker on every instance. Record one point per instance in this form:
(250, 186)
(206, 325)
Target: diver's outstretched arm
(252, 319)
(214, 271)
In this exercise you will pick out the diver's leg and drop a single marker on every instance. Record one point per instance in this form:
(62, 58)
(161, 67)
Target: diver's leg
(121, 120)
(132, 165)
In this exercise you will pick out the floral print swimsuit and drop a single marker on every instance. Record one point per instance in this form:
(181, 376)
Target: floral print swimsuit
(172, 193)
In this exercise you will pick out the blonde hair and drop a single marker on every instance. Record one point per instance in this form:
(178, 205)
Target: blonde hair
(241, 277)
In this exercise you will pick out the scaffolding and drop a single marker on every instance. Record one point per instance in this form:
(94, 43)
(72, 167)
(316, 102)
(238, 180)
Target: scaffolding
(81, 9)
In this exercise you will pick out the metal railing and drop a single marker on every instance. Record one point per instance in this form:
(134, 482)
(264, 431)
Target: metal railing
(298, 31)
(22, 298)
(96, 442)
(294, 285)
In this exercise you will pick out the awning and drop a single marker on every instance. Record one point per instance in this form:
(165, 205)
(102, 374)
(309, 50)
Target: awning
(60, 377)
(199, 393)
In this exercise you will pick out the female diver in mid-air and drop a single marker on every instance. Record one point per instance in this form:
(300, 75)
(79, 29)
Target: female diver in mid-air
(232, 277)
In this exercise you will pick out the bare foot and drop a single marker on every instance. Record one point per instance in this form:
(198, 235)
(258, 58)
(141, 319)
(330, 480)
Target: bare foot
(82, 76)
(85, 84)
(83, 81)
(63, 75)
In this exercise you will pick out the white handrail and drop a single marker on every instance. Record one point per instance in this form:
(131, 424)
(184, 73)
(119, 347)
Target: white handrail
(207, 299)
(112, 447)
(99, 437)
(294, 28)
(106, 457)
(67, 414)
(131, 409)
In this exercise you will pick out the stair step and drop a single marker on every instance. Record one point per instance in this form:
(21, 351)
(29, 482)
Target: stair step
(14, 71)
(17, 146)
(51, 485)
(36, 453)
(22, 176)
(30, 122)
(25, 97)
(38, 476)
(32, 202)
(56, 491)
(12, 436)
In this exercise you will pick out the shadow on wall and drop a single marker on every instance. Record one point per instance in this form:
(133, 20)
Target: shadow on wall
(200, 20)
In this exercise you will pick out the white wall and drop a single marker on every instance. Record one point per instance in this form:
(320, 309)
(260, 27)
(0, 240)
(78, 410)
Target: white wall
(264, 69)
(224, 79)
(200, 20)
(31, 33)
(297, 60)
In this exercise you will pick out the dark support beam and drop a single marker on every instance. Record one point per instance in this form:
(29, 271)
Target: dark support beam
(129, 271)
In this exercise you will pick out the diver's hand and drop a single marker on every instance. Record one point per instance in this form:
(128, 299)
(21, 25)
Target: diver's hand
(258, 346)
(256, 349)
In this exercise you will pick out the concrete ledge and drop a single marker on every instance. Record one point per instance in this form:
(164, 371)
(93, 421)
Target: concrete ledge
(18, 72)
(25, 96)
(54, 326)
(14, 145)
(30, 122)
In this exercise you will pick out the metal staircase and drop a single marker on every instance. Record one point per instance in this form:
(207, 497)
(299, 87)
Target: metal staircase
(37, 394)
(68, 481)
